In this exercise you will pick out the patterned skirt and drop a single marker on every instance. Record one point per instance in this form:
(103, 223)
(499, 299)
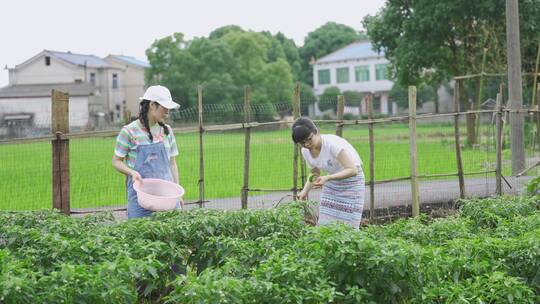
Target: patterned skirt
(343, 201)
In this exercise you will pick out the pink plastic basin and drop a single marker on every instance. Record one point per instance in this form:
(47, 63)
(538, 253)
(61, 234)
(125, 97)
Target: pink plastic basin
(158, 195)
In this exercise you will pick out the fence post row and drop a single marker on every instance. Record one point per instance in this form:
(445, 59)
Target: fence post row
(247, 141)
(498, 144)
(413, 152)
(201, 149)
(60, 151)
(457, 88)
(371, 159)
(339, 112)
(296, 114)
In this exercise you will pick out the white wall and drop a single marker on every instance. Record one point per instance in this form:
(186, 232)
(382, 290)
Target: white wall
(133, 84)
(40, 107)
(368, 86)
(36, 72)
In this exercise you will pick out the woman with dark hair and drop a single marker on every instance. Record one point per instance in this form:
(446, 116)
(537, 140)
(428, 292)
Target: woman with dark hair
(342, 197)
(146, 148)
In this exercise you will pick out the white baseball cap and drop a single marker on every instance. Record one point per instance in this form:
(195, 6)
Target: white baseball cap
(161, 95)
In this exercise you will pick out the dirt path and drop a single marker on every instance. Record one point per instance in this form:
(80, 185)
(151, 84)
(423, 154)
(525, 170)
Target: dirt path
(386, 195)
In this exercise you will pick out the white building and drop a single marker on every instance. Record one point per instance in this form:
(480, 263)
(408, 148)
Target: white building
(355, 67)
(97, 89)
(133, 79)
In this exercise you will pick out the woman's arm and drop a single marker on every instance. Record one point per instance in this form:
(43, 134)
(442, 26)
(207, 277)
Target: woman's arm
(175, 176)
(308, 186)
(349, 169)
(120, 166)
(174, 170)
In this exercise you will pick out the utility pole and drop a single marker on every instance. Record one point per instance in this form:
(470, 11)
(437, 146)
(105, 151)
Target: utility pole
(515, 90)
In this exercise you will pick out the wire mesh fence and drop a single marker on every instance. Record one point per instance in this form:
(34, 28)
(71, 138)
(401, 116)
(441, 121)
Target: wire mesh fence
(26, 164)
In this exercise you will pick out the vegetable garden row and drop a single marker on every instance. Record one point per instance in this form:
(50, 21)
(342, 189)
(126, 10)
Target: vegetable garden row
(488, 253)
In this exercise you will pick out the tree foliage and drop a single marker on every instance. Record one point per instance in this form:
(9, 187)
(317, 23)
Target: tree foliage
(223, 64)
(433, 40)
(400, 94)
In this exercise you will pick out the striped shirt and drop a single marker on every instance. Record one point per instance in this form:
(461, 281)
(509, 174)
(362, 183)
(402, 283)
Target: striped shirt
(133, 135)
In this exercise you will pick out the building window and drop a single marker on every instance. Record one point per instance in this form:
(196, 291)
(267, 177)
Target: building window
(115, 81)
(361, 73)
(324, 76)
(93, 78)
(47, 60)
(342, 75)
(381, 71)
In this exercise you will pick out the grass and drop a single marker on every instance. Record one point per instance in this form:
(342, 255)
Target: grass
(25, 169)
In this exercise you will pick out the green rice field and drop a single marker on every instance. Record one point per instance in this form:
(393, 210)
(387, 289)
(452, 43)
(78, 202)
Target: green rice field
(25, 169)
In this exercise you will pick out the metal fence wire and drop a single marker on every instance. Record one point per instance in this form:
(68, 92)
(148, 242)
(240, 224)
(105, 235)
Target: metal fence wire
(215, 175)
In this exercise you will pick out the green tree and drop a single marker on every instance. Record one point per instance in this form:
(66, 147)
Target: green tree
(430, 41)
(307, 97)
(323, 41)
(172, 65)
(328, 99)
(224, 30)
(400, 95)
(224, 64)
(292, 54)
(353, 98)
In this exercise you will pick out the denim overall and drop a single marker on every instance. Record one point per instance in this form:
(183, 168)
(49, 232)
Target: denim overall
(152, 162)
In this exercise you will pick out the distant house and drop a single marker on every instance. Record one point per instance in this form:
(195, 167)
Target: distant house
(356, 67)
(97, 89)
(133, 79)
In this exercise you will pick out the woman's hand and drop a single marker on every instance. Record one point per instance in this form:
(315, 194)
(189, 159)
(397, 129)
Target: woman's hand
(302, 195)
(135, 176)
(321, 180)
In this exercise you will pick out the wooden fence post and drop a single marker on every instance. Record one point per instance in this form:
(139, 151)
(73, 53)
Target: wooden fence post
(247, 141)
(537, 105)
(296, 114)
(201, 147)
(127, 117)
(371, 160)
(413, 152)
(457, 88)
(339, 112)
(498, 145)
(60, 151)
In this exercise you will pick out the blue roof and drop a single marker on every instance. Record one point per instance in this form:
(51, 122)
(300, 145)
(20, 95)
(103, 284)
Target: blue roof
(355, 50)
(132, 60)
(82, 60)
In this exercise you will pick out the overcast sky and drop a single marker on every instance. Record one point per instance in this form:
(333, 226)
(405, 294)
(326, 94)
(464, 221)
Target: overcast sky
(102, 27)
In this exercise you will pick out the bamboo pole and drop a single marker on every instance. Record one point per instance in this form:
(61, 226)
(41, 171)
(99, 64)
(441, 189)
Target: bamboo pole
(60, 151)
(296, 114)
(498, 146)
(535, 93)
(127, 116)
(537, 114)
(479, 92)
(247, 142)
(201, 147)
(535, 79)
(471, 76)
(457, 88)
(269, 190)
(339, 111)
(413, 152)
(371, 159)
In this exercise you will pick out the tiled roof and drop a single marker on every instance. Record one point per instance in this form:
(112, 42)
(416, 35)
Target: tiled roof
(356, 50)
(132, 60)
(90, 61)
(44, 90)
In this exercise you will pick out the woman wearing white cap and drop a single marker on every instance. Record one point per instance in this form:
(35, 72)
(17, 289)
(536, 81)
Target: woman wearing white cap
(146, 148)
